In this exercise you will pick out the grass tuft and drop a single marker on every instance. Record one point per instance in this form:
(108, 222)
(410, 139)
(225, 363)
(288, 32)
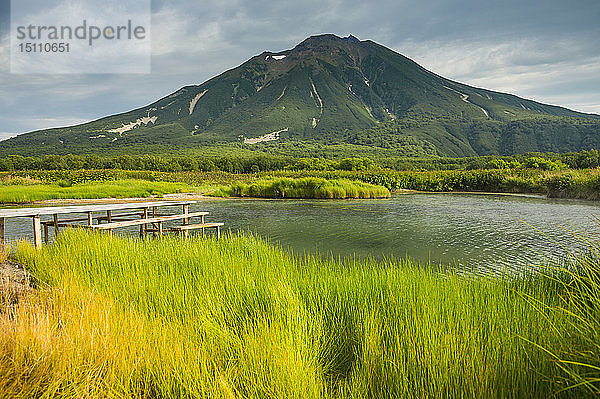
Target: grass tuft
(306, 187)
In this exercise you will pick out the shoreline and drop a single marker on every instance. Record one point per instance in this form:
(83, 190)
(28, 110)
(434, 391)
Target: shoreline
(199, 196)
(526, 195)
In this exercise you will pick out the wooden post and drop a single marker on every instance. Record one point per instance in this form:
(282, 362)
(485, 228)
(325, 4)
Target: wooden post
(2, 234)
(144, 227)
(37, 231)
(108, 216)
(90, 218)
(46, 238)
(160, 229)
(186, 208)
(55, 225)
(218, 232)
(154, 225)
(186, 221)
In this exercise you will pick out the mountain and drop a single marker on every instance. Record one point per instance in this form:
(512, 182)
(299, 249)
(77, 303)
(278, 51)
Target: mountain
(329, 91)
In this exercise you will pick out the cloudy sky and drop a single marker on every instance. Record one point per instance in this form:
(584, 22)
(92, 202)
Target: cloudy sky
(543, 50)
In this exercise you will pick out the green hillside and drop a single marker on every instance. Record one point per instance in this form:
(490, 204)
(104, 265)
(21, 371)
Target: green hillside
(328, 91)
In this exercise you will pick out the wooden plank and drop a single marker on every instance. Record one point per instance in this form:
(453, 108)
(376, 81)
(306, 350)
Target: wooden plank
(184, 229)
(37, 231)
(119, 215)
(137, 222)
(196, 226)
(51, 210)
(1, 234)
(185, 212)
(114, 219)
(124, 223)
(69, 222)
(61, 224)
(51, 222)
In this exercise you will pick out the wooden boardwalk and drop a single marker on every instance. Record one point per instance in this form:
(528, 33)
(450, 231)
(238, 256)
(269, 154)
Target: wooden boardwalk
(109, 217)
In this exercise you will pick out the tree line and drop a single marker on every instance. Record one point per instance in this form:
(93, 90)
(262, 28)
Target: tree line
(266, 162)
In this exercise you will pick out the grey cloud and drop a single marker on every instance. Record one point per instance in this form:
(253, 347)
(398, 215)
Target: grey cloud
(547, 51)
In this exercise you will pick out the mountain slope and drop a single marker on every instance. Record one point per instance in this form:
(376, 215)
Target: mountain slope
(330, 90)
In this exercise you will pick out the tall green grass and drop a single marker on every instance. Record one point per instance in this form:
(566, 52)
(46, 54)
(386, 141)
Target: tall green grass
(22, 193)
(237, 317)
(307, 187)
(584, 184)
(579, 306)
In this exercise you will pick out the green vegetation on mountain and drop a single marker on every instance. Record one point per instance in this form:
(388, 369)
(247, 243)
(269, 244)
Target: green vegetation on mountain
(327, 95)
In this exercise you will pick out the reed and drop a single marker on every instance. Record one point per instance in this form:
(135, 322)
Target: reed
(306, 187)
(579, 306)
(238, 317)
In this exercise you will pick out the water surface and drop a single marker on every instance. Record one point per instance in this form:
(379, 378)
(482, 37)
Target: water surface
(473, 230)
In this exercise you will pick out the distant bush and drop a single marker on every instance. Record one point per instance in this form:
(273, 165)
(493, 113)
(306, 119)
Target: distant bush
(543, 164)
(64, 183)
